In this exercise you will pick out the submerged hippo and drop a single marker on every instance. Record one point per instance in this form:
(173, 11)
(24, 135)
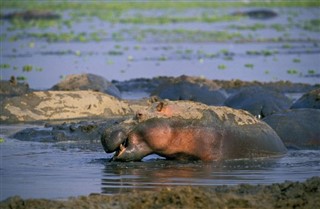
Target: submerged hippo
(191, 131)
(298, 128)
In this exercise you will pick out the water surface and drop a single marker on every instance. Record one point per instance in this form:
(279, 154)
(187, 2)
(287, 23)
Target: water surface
(64, 169)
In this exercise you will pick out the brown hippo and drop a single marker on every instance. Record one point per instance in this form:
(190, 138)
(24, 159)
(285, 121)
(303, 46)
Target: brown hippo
(185, 130)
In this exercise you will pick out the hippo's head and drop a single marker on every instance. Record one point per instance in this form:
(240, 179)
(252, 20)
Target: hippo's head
(128, 139)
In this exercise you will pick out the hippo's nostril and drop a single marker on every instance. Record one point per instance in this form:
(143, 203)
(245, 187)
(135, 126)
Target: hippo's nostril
(139, 115)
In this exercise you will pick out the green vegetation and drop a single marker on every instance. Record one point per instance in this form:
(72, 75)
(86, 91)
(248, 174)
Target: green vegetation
(249, 66)
(21, 78)
(115, 53)
(2, 140)
(222, 67)
(311, 72)
(296, 60)
(253, 27)
(292, 71)
(312, 25)
(27, 68)
(4, 66)
(92, 6)
(262, 52)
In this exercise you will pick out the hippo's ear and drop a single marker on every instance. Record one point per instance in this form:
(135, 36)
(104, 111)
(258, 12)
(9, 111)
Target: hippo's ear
(160, 106)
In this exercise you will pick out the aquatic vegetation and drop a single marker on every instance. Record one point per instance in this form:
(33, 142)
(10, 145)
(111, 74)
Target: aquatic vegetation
(249, 66)
(292, 71)
(21, 78)
(287, 46)
(263, 52)
(38, 69)
(110, 62)
(94, 6)
(222, 67)
(4, 66)
(115, 53)
(296, 60)
(311, 72)
(312, 25)
(253, 27)
(27, 68)
(163, 58)
(280, 27)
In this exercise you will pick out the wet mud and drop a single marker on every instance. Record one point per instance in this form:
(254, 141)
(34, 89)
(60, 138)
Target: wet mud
(280, 195)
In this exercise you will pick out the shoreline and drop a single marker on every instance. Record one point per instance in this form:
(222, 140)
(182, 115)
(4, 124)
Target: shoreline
(279, 195)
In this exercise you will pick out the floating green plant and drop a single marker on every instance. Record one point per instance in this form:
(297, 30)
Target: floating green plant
(27, 68)
(292, 71)
(162, 58)
(21, 78)
(253, 27)
(296, 60)
(311, 72)
(38, 69)
(312, 25)
(4, 66)
(115, 53)
(249, 66)
(110, 62)
(222, 67)
(2, 140)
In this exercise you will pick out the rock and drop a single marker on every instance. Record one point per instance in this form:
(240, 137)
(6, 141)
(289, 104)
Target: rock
(258, 101)
(61, 105)
(88, 81)
(191, 88)
(298, 128)
(308, 100)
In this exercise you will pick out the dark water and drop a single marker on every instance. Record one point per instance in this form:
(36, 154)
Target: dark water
(64, 169)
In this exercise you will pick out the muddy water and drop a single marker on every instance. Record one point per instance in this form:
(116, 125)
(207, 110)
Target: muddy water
(64, 169)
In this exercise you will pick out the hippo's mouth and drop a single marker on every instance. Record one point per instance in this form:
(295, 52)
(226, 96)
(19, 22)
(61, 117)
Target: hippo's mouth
(121, 148)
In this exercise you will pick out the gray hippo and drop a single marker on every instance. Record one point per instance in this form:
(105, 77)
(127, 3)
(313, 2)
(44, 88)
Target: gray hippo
(191, 88)
(308, 100)
(298, 128)
(87, 81)
(259, 101)
(185, 130)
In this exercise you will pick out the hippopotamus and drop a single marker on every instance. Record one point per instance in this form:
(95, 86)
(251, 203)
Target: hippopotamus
(185, 130)
(191, 88)
(297, 128)
(259, 101)
(310, 99)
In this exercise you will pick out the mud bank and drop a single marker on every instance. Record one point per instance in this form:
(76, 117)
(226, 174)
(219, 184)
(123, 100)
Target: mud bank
(283, 195)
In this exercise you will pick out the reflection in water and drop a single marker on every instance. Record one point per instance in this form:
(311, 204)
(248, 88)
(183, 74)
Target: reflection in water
(154, 174)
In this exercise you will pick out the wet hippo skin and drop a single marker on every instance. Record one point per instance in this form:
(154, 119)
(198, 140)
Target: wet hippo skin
(184, 130)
